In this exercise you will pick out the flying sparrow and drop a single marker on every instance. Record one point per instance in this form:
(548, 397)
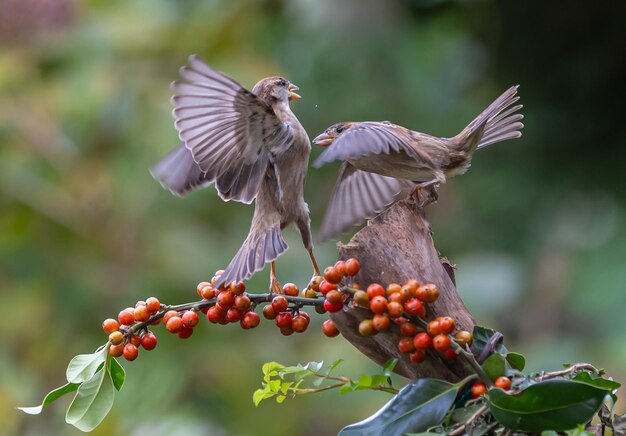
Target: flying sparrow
(384, 162)
(253, 148)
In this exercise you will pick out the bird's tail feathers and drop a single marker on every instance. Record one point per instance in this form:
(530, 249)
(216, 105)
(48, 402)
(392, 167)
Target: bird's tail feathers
(499, 122)
(179, 173)
(258, 249)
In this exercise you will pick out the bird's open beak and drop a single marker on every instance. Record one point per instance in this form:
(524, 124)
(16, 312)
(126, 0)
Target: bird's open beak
(292, 94)
(324, 140)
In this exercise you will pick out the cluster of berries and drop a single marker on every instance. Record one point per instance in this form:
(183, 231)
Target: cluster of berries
(232, 303)
(479, 388)
(123, 340)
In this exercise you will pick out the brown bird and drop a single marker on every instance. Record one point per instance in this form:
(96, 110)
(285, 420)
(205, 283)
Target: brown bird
(384, 162)
(253, 148)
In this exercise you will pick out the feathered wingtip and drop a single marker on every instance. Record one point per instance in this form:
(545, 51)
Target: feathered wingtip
(179, 173)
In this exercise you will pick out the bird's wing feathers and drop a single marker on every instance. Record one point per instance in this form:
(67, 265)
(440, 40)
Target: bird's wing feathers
(360, 195)
(369, 138)
(229, 131)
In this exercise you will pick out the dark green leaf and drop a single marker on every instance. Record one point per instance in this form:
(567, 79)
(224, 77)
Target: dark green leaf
(82, 367)
(417, 407)
(481, 337)
(52, 395)
(555, 404)
(93, 402)
(462, 414)
(516, 360)
(117, 373)
(597, 381)
(389, 366)
(494, 366)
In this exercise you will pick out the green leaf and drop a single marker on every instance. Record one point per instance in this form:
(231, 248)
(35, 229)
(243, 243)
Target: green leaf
(389, 366)
(462, 414)
(117, 373)
(516, 360)
(280, 399)
(271, 367)
(555, 404)
(597, 381)
(365, 381)
(92, 402)
(481, 336)
(314, 366)
(52, 395)
(82, 367)
(260, 395)
(494, 366)
(417, 407)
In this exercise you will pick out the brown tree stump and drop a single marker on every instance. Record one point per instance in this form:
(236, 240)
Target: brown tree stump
(393, 247)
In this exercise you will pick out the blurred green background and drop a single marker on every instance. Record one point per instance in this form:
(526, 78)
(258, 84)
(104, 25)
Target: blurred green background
(536, 227)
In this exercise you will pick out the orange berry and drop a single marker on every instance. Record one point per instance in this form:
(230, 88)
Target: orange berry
(141, 313)
(127, 316)
(329, 328)
(450, 354)
(333, 307)
(392, 288)
(422, 341)
(405, 345)
(446, 324)
(375, 290)
(250, 320)
(315, 283)
(200, 286)
(190, 318)
(110, 325)
(290, 289)
(130, 352)
(395, 309)
(463, 338)
(441, 343)
(366, 328)
(361, 299)
(168, 315)
(432, 328)
(381, 322)
(299, 323)
(153, 304)
(283, 320)
(332, 275)
(478, 389)
(352, 267)
(378, 304)
(116, 350)
(207, 292)
(412, 285)
(269, 312)
(503, 382)
(408, 329)
(185, 332)
(148, 341)
(279, 303)
(225, 300)
(174, 324)
(325, 287)
(415, 307)
(334, 297)
(116, 337)
(417, 356)
(237, 288)
(340, 267)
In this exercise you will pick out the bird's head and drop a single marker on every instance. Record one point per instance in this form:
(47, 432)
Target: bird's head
(275, 89)
(332, 133)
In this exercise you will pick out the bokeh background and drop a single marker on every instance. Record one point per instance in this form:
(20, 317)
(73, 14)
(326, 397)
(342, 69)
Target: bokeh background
(536, 227)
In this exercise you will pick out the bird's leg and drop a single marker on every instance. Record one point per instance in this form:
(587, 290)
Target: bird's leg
(316, 269)
(275, 286)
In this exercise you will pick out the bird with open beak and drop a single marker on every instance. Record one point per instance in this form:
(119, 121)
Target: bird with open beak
(384, 162)
(253, 148)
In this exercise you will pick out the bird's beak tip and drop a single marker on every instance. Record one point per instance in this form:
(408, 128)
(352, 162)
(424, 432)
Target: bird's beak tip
(292, 94)
(323, 140)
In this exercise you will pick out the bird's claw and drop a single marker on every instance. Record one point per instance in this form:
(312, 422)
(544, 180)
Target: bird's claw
(275, 286)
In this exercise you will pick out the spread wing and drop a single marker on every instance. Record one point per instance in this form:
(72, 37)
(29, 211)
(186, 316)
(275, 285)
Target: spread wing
(357, 196)
(229, 131)
(371, 138)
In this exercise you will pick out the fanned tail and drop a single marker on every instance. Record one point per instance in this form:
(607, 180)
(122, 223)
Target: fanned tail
(259, 248)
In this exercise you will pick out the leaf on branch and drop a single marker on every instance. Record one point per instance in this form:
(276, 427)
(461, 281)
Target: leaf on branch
(82, 367)
(556, 404)
(416, 408)
(50, 397)
(117, 373)
(271, 368)
(596, 380)
(92, 402)
(494, 366)
(482, 336)
(516, 360)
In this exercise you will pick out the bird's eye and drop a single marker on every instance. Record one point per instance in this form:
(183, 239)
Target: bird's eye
(339, 129)
(282, 82)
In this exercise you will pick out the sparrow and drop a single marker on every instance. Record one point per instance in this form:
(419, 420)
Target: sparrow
(384, 162)
(253, 148)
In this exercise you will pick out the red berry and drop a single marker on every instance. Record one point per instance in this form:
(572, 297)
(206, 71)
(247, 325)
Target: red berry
(446, 324)
(215, 314)
(109, 325)
(243, 303)
(427, 293)
(393, 288)
(174, 324)
(304, 314)
(185, 332)
(417, 356)
(153, 304)
(450, 354)
(433, 329)
(408, 329)
(412, 285)
(130, 352)
(395, 309)
(237, 288)
(334, 297)
(250, 320)
(207, 292)
(422, 341)
(405, 345)
(325, 287)
(141, 313)
(283, 320)
(441, 343)
(478, 389)
(375, 290)
(279, 303)
(333, 307)
(268, 312)
(148, 341)
(199, 288)
(330, 329)
(116, 338)
(415, 307)
(315, 282)
(503, 382)
(190, 318)
(233, 315)
(352, 267)
(286, 331)
(381, 322)
(332, 275)
(299, 323)
(168, 315)
(225, 299)
(378, 304)
(463, 338)
(366, 328)
(126, 316)
(116, 350)
(340, 267)
(290, 290)
(135, 340)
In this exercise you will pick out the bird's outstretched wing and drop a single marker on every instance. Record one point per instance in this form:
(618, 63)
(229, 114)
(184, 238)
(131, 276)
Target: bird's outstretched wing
(357, 196)
(229, 131)
(371, 138)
